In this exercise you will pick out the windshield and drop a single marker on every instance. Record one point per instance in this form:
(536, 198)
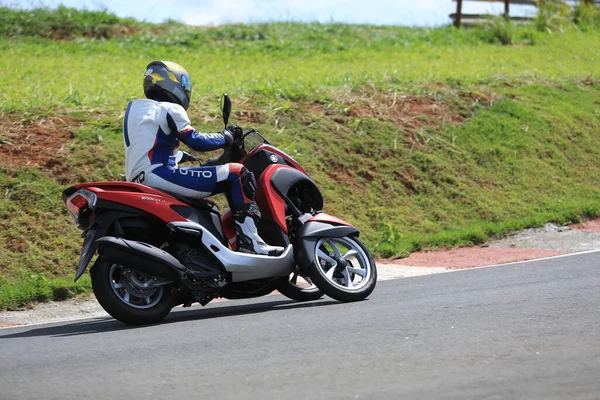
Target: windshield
(252, 139)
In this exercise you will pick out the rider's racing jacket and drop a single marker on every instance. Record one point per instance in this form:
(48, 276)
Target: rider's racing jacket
(152, 132)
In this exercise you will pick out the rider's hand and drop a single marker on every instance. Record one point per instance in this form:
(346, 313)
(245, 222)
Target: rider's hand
(228, 137)
(238, 136)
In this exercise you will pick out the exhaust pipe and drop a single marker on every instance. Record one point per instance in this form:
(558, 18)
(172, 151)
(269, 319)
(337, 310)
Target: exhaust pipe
(142, 257)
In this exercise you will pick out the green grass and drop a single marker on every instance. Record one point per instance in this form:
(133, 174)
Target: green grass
(62, 74)
(423, 138)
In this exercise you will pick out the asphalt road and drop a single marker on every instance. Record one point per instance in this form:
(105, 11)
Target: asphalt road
(523, 331)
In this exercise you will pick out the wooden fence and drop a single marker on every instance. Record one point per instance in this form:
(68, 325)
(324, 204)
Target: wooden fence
(459, 18)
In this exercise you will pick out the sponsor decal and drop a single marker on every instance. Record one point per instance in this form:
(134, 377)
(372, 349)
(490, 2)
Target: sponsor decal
(194, 173)
(153, 199)
(274, 158)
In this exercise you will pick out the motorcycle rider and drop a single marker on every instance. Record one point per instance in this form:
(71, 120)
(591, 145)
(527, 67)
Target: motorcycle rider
(153, 129)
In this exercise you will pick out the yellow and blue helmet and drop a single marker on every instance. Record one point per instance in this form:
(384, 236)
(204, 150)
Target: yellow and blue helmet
(168, 81)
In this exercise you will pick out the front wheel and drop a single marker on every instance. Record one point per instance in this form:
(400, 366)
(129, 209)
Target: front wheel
(299, 288)
(130, 296)
(343, 268)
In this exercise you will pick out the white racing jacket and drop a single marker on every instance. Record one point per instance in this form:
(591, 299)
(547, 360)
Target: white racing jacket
(152, 132)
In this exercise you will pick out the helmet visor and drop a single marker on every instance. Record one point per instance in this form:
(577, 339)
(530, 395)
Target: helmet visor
(186, 83)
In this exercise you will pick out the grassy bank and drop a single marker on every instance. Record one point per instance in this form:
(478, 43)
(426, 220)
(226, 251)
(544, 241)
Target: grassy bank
(424, 138)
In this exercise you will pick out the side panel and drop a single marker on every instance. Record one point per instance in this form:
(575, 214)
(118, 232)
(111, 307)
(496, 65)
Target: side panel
(274, 185)
(271, 204)
(157, 205)
(208, 219)
(243, 266)
(229, 229)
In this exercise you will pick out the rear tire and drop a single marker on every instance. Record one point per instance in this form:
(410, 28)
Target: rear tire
(343, 268)
(130, 305)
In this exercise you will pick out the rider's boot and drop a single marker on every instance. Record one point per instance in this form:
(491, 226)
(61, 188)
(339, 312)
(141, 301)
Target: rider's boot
(248, 240)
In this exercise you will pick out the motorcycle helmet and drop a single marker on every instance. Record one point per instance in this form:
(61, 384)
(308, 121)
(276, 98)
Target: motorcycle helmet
(168, 81)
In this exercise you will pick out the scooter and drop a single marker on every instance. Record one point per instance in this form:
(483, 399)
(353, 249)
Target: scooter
(157, 250)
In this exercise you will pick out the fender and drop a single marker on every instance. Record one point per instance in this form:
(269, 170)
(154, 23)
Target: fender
(307, 236)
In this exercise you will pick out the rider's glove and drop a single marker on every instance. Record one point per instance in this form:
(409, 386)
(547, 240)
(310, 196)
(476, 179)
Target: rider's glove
(228, 137)
(238, 136)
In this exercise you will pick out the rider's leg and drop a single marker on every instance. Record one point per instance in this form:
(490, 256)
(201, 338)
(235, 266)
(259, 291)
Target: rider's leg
(246, 215)
(233, 179)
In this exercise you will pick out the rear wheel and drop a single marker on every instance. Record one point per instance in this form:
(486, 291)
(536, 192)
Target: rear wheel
(130, 296)
(343, 269)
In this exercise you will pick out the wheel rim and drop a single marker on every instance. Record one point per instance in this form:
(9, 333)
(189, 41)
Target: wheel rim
(128, 285)
(343, 262)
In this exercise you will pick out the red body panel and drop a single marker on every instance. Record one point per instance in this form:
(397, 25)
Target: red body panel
(229, 229)
(139, 196)
(271, 204)
(322, 217)
(276, 151)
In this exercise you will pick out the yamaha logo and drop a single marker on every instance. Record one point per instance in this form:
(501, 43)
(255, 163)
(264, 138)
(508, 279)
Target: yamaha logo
(274, 158)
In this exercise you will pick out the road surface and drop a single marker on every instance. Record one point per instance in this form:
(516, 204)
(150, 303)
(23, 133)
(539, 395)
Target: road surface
(528, 330)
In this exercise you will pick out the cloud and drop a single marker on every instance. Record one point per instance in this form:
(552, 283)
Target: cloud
(214, 12)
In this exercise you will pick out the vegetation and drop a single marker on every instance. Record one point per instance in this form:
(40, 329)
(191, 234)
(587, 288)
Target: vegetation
(424, 138)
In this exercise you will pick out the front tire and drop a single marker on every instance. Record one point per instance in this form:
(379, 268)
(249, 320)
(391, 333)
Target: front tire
(116, 292)
(343, 268)
(297, 290)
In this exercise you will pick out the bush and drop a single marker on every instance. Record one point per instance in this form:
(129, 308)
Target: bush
(552, 16)
(501, 29)
(60, 23)
(586, 15)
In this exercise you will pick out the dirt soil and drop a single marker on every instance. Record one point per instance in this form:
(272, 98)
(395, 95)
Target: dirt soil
(36, 143)
(529, 244)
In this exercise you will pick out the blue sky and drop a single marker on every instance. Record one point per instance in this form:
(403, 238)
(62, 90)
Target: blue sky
(216, 12)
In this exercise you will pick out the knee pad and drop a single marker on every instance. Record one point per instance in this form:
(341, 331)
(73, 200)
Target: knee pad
(248, 183)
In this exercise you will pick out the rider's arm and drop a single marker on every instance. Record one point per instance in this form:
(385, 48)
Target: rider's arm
(203, 141)
(180, 125)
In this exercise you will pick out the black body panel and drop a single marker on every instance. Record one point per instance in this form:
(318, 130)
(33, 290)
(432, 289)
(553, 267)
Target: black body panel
(272, 234)
(294, 184)
(258, 162)
(89, 248)
(207, 218)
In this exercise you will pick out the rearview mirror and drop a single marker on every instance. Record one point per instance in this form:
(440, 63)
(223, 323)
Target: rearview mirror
(226, 108)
